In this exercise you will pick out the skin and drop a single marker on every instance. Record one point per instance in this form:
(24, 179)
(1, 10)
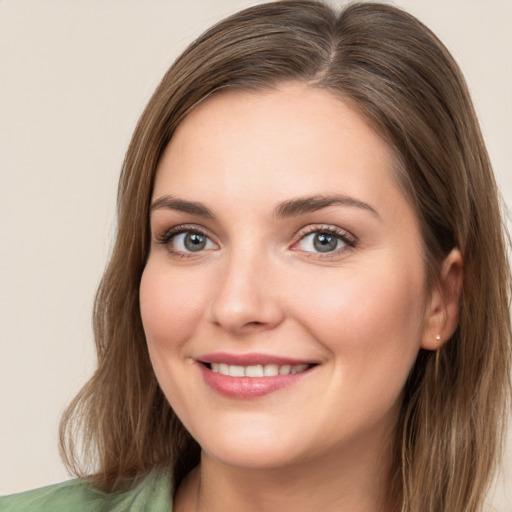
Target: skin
(360, 312)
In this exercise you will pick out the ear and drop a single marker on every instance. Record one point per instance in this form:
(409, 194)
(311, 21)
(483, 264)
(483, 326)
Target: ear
(442, 313)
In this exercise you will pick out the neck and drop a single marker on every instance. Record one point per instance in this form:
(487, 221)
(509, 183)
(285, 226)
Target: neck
(357, 480)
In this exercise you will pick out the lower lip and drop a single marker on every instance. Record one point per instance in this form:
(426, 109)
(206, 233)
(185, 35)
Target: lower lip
(248, 387)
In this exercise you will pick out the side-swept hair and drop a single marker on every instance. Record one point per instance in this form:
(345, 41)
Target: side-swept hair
(399, 76)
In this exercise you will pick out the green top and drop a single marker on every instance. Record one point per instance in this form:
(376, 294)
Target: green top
(153, 494)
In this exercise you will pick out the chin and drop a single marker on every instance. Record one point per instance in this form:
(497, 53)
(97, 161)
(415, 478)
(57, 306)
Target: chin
(257, 449)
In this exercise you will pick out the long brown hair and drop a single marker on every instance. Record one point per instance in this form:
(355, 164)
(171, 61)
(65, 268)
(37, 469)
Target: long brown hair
(401, 78)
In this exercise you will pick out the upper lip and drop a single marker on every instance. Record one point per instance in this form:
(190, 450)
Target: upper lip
(251, 359)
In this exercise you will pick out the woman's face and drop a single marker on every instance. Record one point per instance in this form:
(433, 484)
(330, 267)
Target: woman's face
(281, 243)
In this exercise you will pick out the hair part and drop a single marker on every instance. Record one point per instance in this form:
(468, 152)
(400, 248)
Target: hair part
(398, 75)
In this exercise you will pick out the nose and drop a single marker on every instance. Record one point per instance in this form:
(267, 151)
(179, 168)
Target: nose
(246, 298)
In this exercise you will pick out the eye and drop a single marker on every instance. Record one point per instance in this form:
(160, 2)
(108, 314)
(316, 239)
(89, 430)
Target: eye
(190, 241)
(325, 240)
(186, 241)
(320, 242)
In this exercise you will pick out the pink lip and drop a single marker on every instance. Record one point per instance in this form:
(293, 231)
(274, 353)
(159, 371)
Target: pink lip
(248, 387)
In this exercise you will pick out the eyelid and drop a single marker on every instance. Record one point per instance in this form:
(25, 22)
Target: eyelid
(167, 235)
(164, 235)
(345, 236)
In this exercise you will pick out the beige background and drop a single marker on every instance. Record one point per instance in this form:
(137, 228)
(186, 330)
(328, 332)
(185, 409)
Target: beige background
(74, 77)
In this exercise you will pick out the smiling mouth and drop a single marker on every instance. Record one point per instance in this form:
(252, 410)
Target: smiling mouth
(258, 370)
(253, 380)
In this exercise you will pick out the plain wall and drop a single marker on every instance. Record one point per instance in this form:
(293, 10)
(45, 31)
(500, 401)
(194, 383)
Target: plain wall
(74, 77)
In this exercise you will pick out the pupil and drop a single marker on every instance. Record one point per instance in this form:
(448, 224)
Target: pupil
(195, 241)
(324, 242)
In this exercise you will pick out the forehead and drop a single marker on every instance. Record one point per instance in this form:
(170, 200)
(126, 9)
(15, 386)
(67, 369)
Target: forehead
(295, 134)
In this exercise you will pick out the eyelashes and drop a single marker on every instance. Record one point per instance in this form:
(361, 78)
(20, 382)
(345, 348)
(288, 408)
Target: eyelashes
(324, 241)
(314, 241)
(185, 240)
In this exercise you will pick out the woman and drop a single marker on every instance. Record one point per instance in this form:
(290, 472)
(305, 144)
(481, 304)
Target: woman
(307, 301)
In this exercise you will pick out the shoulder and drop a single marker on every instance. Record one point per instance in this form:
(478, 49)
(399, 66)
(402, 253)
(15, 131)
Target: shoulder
(72, 495)
(152, 494)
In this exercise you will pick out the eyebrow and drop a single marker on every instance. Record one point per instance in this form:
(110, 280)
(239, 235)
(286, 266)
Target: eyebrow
(289, 208)
(181, 205)
(307, 204)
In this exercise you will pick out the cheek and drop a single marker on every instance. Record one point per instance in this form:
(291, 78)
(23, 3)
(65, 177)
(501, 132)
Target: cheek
(171, 304)
(171, 307)
(370, 321)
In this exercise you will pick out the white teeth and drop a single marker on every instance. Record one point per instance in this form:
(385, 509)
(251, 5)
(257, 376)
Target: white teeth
(236, 371)
(254, 371)
(258, 370)
(299, 368)
(285, 370)
(270, 370)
